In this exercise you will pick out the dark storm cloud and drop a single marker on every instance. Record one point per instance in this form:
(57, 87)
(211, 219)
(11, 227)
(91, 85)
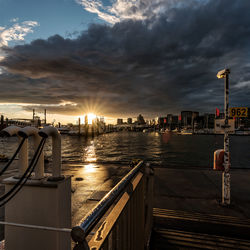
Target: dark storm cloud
(160, 65)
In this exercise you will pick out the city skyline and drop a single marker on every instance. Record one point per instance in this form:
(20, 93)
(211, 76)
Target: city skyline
(121, 58)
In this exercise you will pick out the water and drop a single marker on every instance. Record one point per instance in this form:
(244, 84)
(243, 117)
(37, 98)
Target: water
(162, 150)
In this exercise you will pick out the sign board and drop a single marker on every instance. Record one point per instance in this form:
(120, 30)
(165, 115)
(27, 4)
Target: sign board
(219, 129)
(238, 112)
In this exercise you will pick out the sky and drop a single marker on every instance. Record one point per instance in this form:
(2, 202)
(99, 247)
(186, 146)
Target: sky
(121, 58)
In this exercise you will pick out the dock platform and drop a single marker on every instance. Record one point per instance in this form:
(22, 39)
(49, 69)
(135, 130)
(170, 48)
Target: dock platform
(188, 214)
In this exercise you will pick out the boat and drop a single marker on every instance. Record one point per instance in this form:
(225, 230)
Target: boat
(64, 130)
(186, 132)
(162, 131)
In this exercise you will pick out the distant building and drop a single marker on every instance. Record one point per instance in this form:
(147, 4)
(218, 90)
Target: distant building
(188, 118)
(140, 120)
(119, 121)
(162, 122)
(169, 119)
(209, 120)
(130, 120)
(175, 122)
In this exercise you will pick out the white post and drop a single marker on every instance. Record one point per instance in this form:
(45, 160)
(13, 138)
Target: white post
(56, 150)
(226, 174)
(23, 153)
(32, 131)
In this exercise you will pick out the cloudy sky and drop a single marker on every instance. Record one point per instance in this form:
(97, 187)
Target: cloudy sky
(119, 58)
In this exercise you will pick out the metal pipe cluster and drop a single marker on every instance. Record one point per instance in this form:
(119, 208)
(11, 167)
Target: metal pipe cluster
(37, 136)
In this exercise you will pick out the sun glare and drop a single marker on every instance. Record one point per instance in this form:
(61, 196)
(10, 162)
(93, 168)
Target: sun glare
(91, 117)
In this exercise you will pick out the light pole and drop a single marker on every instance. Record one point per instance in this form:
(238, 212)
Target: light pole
(225, 175)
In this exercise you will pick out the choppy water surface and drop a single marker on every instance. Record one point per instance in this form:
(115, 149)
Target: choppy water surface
(163, 150)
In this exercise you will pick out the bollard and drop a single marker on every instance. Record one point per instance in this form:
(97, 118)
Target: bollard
(42, 206)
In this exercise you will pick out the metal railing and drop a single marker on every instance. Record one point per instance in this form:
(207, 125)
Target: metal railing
(123, 218)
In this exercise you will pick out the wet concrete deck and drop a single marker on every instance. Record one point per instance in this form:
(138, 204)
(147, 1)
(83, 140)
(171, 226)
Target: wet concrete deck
(90, 182)
(199, 190)
(188, 211)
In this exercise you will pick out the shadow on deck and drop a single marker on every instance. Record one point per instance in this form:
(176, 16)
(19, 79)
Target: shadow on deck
(188, 215)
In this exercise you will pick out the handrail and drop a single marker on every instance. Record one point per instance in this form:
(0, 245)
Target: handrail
(79, 233)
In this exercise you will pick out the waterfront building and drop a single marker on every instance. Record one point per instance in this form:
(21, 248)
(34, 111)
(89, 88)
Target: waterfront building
(188, 118)
(119, 121)
(130, 120)
(169, 120)
(175, 122)
(140, 120)
(209, 120)
(162, 122)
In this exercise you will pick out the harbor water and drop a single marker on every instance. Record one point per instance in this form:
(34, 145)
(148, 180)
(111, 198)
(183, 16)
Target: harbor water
(161, 150)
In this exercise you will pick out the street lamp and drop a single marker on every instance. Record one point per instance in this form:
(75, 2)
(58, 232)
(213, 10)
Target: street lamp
(225, 175)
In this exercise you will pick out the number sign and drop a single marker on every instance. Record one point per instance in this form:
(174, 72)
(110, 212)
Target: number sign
(238, 112)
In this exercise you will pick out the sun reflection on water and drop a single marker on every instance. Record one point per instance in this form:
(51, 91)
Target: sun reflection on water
(90, 155)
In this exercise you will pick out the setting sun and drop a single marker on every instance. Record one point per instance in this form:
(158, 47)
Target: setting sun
(91, 117)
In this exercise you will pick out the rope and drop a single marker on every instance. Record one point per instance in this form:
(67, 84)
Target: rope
(13, 157)
(19, 184)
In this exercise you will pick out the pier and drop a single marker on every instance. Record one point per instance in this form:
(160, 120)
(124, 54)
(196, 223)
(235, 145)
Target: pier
(188, 211)
(172, 207)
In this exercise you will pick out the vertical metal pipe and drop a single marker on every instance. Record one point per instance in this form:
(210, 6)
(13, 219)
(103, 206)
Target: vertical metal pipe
(226, 174)
(39, 170)
(56, 149)
(23, 157)
(56, 156)
(25, 133)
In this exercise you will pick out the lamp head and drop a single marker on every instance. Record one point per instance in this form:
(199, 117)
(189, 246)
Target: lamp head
(223, 73)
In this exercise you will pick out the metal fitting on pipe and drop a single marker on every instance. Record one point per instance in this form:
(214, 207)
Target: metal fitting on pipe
(56, 151)
(23, 153)
(32, 131)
